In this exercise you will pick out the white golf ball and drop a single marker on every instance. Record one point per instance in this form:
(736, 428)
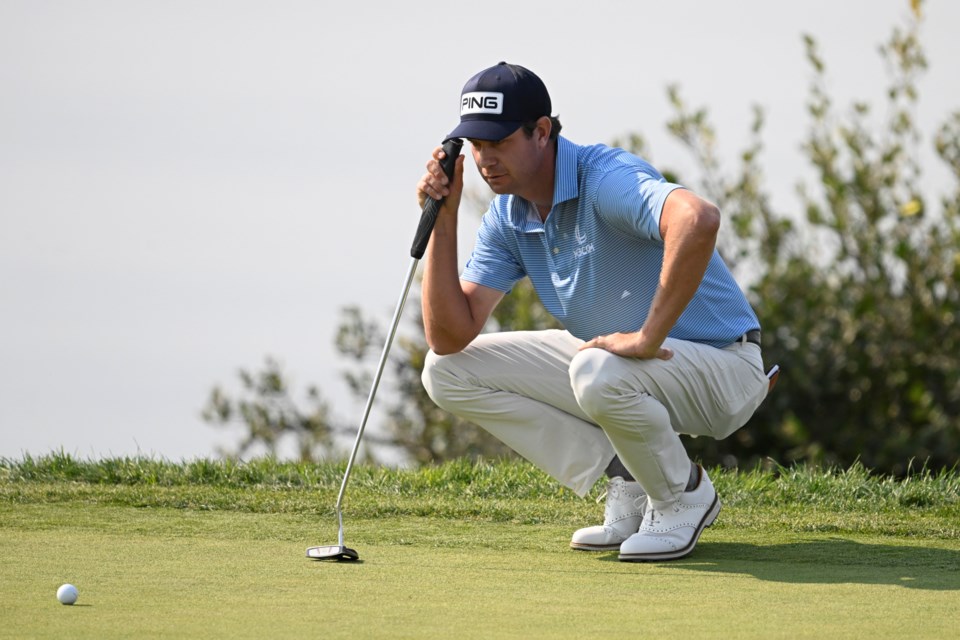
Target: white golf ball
(67, 594)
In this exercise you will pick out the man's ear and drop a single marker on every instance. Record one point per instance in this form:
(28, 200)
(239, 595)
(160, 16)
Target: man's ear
(544, 128)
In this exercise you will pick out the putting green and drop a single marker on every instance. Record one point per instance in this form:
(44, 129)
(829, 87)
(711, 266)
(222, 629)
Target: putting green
(161, 572)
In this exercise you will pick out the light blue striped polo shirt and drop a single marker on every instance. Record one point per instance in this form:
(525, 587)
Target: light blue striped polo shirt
(596, 261)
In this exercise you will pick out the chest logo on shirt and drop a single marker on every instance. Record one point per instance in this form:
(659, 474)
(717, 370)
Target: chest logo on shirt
(585, 248)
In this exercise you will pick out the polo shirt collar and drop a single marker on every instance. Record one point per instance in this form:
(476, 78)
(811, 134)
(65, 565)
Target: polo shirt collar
(565, 183)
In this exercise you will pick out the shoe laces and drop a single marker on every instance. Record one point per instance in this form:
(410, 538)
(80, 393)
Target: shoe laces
(612, 491)
(655, 515)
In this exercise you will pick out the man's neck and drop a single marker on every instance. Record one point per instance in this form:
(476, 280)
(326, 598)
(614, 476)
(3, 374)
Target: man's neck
(542, 196)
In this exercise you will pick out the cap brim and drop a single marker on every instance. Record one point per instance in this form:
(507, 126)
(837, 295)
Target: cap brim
(484, 130)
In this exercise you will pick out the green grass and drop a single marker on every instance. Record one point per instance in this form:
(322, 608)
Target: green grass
(216, 549)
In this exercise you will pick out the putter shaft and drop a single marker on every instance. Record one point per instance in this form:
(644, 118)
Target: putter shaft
(411, 272)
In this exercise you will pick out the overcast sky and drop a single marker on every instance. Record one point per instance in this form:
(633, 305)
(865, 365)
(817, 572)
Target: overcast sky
(187, 187)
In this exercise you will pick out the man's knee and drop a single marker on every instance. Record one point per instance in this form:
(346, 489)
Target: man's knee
(594, 381)
(443, 379)
(430, 375)
(609, 391)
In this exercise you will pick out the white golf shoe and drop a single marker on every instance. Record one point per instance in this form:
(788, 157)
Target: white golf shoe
(622, 515)
(673, 533)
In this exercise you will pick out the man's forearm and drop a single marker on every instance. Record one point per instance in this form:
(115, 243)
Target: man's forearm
(447, 318)
(687, 253)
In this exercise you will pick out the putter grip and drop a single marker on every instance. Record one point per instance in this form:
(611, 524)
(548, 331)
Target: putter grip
(451, 149)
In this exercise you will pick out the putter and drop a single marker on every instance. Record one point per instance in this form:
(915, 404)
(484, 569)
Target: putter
(428, 218)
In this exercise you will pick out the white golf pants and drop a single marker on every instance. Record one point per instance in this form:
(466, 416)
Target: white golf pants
(570, 411)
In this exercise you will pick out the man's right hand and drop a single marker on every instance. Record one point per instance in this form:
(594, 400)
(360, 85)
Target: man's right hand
(435, 183)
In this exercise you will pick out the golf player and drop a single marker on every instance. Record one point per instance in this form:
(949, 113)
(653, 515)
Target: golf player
(658, 338)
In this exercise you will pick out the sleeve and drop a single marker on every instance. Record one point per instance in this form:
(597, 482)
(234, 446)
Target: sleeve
(631, 198)
(492, 263)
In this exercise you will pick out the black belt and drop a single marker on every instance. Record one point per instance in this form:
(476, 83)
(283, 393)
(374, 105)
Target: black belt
(752, 336)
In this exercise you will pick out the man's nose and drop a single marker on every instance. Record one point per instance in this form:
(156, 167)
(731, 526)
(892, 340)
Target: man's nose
(485, 159)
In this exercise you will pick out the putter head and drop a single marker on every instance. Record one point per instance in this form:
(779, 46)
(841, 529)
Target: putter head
(332, 552)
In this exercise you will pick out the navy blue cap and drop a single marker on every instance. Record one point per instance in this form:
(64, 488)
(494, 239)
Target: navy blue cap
(496, 101)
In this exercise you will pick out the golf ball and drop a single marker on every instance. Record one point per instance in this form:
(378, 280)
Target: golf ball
(67, 594)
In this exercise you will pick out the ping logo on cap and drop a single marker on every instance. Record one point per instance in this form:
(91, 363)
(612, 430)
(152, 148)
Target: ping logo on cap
(481, 102)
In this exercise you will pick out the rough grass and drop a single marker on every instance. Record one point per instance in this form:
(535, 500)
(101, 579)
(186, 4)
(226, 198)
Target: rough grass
(799, 498)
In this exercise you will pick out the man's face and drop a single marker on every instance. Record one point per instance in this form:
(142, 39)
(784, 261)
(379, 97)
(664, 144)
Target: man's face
(508, 166)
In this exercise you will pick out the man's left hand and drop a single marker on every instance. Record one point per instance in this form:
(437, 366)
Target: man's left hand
(629, 345)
